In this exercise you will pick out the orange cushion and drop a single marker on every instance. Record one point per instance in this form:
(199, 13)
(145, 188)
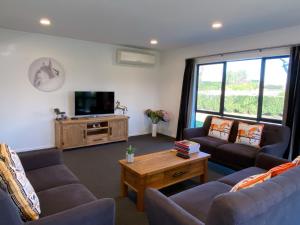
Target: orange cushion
(251, 181)
(281, 168)
(259, 178)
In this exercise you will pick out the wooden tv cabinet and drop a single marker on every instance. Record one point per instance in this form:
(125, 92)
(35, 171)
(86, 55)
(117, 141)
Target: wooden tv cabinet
(82, 132)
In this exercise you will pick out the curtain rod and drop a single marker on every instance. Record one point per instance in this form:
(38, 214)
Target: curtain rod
(246, 50)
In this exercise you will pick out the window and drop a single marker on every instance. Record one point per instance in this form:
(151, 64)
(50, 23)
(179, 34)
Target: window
(209, 87)
(251, 89)
(209, 90)
(275, 79)
(242, 88)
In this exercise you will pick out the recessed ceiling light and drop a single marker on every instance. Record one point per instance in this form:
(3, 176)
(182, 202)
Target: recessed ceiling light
(154, 42)
(217, 25)
(45, 22)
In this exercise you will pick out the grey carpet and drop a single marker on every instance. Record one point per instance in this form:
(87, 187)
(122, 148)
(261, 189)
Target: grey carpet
(97, 167)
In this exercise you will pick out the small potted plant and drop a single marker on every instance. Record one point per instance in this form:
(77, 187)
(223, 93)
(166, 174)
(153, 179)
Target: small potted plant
(130, 154)
(156, 116)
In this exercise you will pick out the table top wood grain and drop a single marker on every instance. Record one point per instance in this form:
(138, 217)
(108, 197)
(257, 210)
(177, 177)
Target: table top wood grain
(159, 161)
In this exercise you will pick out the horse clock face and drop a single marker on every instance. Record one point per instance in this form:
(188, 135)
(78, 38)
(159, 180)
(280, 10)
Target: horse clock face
(46, 74)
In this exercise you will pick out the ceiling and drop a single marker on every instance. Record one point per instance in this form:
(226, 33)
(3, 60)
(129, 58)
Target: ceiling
(175, 23)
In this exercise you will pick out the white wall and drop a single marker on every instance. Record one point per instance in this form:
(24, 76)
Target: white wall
(26, 114)
(173, 62)
(26, 117)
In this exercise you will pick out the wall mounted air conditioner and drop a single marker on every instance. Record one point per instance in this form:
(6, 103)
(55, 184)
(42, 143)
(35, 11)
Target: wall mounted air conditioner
(130, 57)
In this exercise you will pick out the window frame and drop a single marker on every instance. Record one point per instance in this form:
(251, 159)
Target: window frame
(259, 116)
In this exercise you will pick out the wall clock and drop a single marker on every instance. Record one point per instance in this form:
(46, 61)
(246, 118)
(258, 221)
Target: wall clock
(46, 74)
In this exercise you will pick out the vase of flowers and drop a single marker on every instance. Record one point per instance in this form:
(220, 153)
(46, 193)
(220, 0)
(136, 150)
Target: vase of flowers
(130, 154)
(156, 116)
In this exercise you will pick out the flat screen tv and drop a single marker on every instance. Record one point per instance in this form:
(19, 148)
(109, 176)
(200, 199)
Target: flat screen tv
(94, 103)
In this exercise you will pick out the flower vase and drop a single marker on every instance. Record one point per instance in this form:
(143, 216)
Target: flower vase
(130, 157)
(154, 129)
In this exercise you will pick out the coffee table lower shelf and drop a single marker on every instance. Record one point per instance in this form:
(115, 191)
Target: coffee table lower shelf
(137, 177)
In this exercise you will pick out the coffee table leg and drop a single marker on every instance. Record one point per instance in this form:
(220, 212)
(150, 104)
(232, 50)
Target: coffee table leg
(124, 187)
(203, 177)
(140, 195)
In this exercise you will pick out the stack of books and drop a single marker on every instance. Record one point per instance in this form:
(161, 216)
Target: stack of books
(185, 148)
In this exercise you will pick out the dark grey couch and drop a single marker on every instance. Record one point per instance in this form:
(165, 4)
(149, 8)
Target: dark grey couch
(275, 140)
(274, 202)
(63, 200)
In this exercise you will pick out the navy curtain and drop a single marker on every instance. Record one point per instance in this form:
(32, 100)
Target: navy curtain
(185, 97)
(293, 110)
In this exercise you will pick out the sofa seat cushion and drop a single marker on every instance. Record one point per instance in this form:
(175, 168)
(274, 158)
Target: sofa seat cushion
(236, 177)
(65, 197)
(197, 200)
(208, 144)
(51, 176)
(236, 154)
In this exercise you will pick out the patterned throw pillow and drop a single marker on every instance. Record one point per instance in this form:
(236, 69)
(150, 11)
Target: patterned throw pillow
(18, 186)
(251, 181)
(296, 161)
(220, 128)
(10, 157)
(281, 168)
(249, 134)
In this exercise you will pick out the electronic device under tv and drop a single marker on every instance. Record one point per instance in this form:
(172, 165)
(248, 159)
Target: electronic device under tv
(93, 103)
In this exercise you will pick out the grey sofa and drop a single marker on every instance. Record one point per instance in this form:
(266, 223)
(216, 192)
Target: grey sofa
(63, 200)
(275, 140)
(274, 202)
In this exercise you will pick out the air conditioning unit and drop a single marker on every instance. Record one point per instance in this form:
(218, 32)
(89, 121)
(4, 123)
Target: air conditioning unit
(130, 57)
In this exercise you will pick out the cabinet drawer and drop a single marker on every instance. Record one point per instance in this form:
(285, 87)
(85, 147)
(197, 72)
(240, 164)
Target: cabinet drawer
(176, 174)
(183, 172)
(94, 139)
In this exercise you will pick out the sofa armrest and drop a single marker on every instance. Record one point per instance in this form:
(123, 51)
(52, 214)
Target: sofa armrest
(163, 211)
(100, 212)
(277, 149)
(267, 161)
(189, 133)
(40, 158)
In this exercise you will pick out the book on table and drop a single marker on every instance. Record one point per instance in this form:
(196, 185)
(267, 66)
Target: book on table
(185, 147)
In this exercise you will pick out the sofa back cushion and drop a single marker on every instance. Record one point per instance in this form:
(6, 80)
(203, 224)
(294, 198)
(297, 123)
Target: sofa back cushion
(9, 212)
(2, 185)
(275, 202)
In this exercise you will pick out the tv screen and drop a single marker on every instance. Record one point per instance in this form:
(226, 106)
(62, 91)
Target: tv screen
(94, 103)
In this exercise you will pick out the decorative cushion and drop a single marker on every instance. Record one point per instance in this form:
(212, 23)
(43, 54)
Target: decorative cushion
(249, 134)
(10, 157)
(220, 128)
(18, 186)
(281, 168)
(296, 161)
(251, 181)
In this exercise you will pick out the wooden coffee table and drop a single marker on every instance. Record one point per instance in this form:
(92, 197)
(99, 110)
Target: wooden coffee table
(158, 170)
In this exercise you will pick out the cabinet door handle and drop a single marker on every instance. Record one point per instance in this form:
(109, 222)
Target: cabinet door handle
(178, 174)
(84, 135)
(110, 131)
